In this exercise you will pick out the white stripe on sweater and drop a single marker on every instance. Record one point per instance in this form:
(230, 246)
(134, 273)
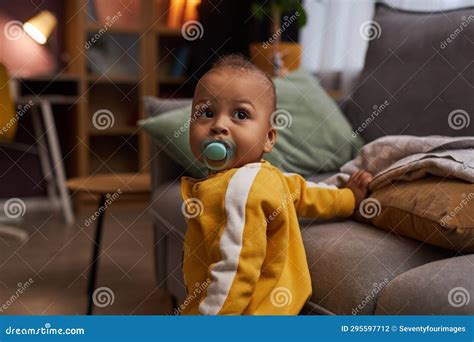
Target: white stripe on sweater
(230, 244)
(310, 184)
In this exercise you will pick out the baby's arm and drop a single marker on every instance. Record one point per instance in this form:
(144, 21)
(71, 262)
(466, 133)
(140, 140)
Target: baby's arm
(319, 199)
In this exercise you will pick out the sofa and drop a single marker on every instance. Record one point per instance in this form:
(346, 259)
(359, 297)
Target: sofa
(356, 268)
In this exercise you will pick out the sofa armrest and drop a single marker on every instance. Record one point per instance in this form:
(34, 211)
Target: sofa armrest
(163, 168)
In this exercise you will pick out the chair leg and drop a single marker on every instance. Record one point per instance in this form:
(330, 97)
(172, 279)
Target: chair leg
(95, 253)
(58, 165)
(45, 162)
(174, 302)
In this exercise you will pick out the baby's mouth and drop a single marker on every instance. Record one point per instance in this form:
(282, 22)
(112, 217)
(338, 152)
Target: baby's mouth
(223, 142)
(217, 153)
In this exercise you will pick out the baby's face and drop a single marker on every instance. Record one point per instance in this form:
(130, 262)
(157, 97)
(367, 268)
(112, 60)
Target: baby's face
(235, 108)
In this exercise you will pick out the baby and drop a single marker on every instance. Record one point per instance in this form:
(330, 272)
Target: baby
(243, 250)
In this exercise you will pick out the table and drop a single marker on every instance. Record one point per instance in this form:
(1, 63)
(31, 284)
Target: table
(103, 185)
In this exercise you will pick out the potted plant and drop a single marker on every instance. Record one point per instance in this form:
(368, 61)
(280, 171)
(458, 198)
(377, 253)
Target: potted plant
(274, 56)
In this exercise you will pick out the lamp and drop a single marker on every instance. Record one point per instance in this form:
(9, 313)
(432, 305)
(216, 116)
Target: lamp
(40, 26)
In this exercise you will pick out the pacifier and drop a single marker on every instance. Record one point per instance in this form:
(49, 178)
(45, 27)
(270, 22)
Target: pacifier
(217, 153)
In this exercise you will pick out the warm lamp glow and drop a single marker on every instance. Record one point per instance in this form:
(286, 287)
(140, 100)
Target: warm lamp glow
(175, 13)
(182, 11)
(41, 26)
(191, 13)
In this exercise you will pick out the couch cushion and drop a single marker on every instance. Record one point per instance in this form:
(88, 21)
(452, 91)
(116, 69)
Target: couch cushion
(166, 202)
(434, 210)
(417, 75)
(155, 106)
(350, 263)
(444, 287)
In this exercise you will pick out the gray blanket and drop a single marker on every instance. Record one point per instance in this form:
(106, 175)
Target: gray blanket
(405, 157)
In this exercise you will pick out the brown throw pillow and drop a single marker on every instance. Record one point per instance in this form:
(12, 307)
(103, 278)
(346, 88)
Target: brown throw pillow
(433, 210)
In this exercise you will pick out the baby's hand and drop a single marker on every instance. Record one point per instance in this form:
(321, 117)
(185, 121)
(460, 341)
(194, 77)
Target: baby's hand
(358, 184)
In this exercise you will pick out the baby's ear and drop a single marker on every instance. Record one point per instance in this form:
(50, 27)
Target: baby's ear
(271, 140)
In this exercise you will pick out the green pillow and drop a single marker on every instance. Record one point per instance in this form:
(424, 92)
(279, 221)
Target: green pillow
(313, 135)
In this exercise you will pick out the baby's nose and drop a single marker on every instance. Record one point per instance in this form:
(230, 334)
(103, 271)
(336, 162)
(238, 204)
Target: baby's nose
(219, 129)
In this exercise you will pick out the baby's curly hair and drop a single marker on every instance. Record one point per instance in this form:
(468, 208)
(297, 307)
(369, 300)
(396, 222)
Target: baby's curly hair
(240, 63)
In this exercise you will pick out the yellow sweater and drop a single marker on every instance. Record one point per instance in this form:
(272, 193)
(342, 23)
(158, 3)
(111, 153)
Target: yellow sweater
(243, 251)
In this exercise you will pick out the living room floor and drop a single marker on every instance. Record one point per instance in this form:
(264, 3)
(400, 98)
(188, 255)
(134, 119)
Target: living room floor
(57, 258)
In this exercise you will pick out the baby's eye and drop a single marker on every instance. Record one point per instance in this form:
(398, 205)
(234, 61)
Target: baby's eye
(207, 113)
(240, 115)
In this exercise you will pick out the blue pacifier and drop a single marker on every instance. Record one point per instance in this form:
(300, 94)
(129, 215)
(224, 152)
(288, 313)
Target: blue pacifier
(217, 153)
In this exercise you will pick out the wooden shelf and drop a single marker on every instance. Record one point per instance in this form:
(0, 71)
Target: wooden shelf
(95, 27)
(125, 79)
(114, 154)
(119, 94)
(172, 80)
(168, 32)
(114, 131)
(57, 77)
